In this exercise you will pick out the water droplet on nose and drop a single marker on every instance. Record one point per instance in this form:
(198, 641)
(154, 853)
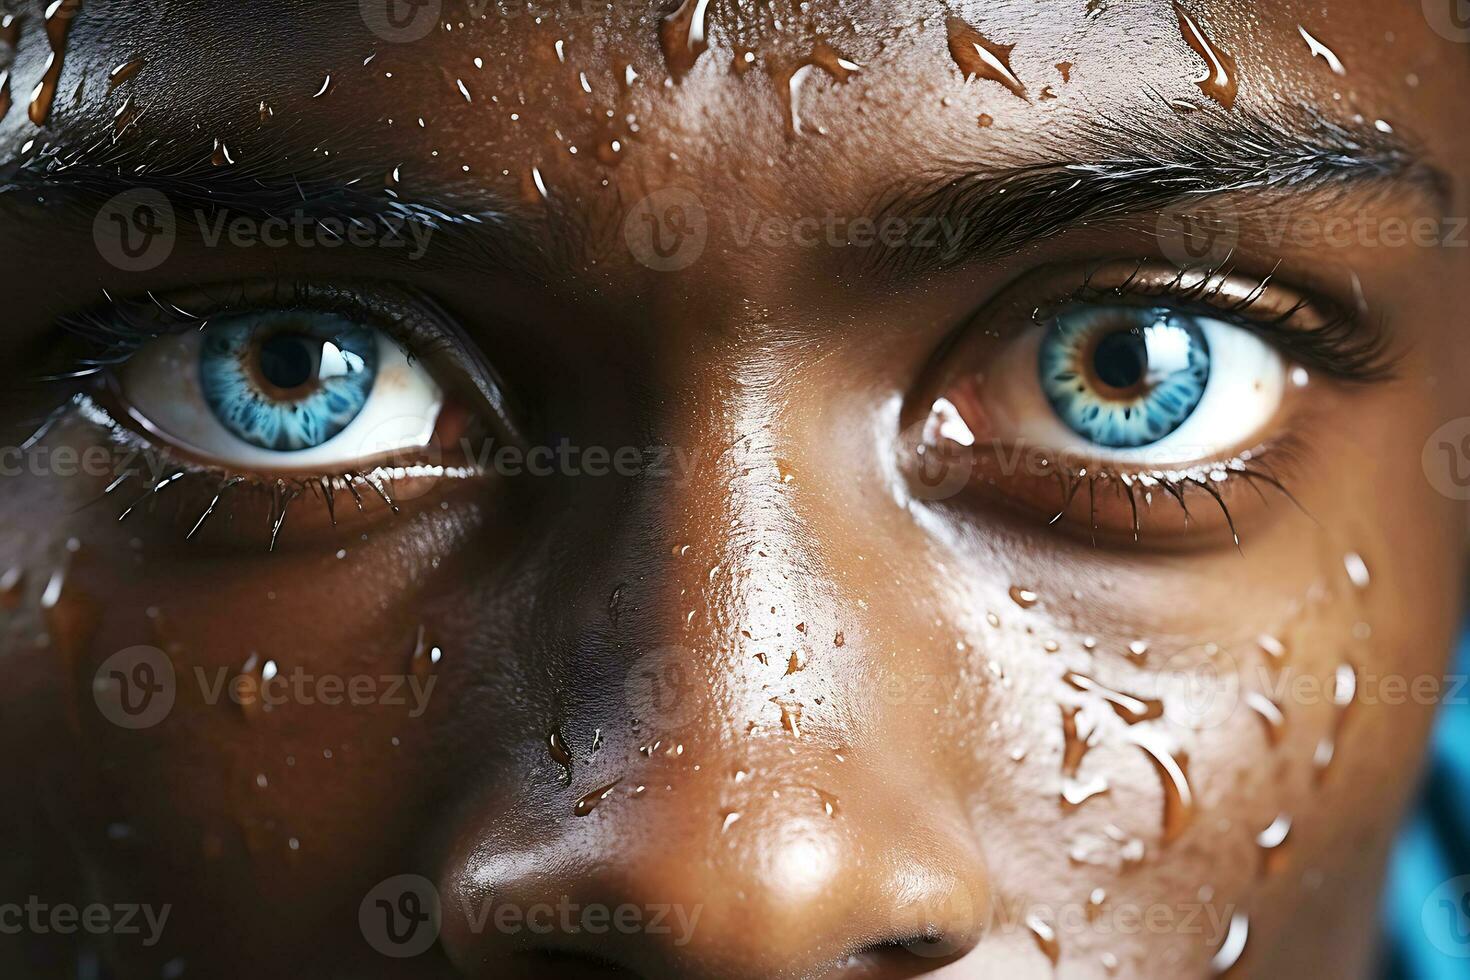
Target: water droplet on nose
(978, 57)
(1219, 80)
(1025, 598)
(590, 802)
(730, 817)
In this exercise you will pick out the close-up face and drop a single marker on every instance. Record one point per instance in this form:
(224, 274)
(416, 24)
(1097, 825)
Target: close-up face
(724, 489)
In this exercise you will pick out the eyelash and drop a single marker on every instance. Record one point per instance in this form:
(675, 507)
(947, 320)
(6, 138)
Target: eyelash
(1339, 344)
(103, 338)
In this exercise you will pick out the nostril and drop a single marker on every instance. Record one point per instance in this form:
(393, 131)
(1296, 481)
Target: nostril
(903, 958)
(569, 964)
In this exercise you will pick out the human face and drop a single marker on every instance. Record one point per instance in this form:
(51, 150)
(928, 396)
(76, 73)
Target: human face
(596, 460)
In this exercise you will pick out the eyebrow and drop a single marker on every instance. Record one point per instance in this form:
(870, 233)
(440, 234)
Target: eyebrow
(1121, 167)
(1133, 166)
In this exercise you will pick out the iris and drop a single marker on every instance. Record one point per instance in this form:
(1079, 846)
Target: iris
(287, 381)
(1124, 377)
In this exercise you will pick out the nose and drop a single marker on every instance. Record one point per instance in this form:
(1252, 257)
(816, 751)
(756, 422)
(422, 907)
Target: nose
(785, 866)
(748, 810)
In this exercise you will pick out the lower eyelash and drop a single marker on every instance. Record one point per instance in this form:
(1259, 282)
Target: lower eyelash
(284, 491)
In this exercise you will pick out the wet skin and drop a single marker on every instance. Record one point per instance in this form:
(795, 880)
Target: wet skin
(831, 700)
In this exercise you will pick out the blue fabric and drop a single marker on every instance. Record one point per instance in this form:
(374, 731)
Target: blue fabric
(1426, 907)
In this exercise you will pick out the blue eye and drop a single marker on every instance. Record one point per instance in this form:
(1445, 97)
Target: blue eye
(287, 382)
(1124, 377)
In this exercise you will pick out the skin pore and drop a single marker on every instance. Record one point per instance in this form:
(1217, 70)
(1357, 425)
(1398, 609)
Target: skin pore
(822, 704)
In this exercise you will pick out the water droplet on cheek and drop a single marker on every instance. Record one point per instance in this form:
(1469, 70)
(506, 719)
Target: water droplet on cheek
(590, 802)
(426, 655)
(1025, 598)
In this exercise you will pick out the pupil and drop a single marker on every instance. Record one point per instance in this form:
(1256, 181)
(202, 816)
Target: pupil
(287, 362)
(1121, 359)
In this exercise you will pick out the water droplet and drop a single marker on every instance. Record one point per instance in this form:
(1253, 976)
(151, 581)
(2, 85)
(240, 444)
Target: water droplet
(221, 156)
(1045, 936)
(683, 35)
(790, 715)
(839, 639)
(823, 58)
(426, 654)
(1272, 646)
(1128, 707)
(1233, 947)
(979, 57)
(560, 754)
(125, 72)
(1270, 713)
(1219, 81)
(590, 802)
(1172, 766)
(1344, 693)
(1065, 68)
(1320, 50)
(59, 16)
(986, 120)
(1272, 842)
(729, 820)
(326, 85)
(1138, 649)
(1024, 598)
(1357, 569)
(12, 586)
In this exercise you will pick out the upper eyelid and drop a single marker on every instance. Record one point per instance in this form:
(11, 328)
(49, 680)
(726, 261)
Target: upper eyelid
(415, 322)
(1344, 344)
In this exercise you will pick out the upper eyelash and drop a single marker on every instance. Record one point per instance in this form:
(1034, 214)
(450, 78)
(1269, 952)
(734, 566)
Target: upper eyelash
(1343, 345)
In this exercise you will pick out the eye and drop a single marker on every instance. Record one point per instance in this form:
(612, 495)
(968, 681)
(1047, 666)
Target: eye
(1134, 384)
(1144, 401)
(281, 391)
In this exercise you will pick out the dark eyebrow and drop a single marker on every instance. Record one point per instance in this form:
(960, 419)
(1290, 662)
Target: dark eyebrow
(1134, 166)
(478, 227)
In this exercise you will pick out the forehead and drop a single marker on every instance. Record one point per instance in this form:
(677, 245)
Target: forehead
(478, 87)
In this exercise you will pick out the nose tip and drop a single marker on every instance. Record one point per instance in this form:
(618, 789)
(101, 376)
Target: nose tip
(784, 881)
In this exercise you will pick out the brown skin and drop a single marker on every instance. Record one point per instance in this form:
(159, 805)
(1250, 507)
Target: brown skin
(918, 790)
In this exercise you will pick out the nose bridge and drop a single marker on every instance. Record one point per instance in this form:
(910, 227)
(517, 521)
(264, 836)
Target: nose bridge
(736, 826)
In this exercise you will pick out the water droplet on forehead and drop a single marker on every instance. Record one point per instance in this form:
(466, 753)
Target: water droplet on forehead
(1218, 80)
(979, 57)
